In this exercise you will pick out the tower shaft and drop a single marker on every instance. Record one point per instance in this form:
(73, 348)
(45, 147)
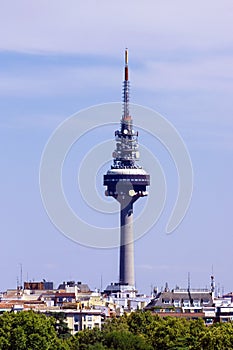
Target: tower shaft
(127, 245)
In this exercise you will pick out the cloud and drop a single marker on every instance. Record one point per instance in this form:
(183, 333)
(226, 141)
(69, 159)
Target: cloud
(212, 73)
(177, 48)
(45, 80)
(154, 267)
(106, 27)
(208, 73)
(28, 121)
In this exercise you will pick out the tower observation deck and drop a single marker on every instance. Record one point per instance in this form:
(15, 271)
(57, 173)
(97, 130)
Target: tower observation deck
(126, 181)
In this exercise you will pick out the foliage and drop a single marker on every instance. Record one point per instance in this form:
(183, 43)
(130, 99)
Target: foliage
(61, 326)
(137, 331)
(28, 331)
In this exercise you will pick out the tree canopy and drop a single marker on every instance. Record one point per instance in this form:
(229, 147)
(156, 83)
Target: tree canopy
(28, 330)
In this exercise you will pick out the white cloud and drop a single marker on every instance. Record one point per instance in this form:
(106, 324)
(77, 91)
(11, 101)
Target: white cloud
(212, 73)
(31, 121)
(202, 73)
(106, 27)
(49, 81)
(153, 267)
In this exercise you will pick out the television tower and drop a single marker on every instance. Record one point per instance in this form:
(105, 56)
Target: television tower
(126, 181)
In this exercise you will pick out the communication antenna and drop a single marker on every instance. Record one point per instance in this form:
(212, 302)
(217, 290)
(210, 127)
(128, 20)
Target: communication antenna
(188, 281)
(21, 276)
(212, 282)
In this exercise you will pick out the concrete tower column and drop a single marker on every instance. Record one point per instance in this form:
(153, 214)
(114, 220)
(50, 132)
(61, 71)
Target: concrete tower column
(127, 243)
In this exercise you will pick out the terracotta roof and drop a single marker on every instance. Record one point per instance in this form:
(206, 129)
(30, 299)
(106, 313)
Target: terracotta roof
(6, 305)
(57, 295)
(180, 314)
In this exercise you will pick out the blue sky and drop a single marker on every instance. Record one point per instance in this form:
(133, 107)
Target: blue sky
(57, 58)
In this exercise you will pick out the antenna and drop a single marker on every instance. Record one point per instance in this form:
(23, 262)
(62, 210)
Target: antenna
(126, 86)
(188, 281)
(212, 282)
(21, 276)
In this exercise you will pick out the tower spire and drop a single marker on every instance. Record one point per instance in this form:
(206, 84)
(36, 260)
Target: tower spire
(126, 87)
(126, 65)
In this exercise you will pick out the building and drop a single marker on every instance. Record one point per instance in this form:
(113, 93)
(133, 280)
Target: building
(82, 308)
(79, 320)
(44, 285)
(187, 303)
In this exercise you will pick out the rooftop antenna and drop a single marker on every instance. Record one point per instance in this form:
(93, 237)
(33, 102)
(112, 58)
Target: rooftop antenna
(189, 293)
(188, 281)
(212, 282)
(21, 276)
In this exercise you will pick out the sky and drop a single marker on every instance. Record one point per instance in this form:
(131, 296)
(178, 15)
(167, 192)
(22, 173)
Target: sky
(57, 58)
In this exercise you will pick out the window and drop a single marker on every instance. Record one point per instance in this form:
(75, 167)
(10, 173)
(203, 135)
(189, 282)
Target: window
(196, 303)
(186, 303)
(176, 303)
(178, 310)
(89, 318)
(76, 327)
(76, 318)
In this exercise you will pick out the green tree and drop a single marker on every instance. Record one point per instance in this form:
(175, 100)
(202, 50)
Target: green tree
(142, 323)
(18, 338)
(124, 340)
(218, 337)
(30, 331)
(83, 339)
(116, 324)
(61, 325)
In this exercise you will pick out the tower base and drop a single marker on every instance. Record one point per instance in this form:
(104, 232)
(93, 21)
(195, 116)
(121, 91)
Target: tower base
(119, 290)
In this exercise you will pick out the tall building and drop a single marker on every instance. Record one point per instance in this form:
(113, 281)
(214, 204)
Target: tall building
(126, 181)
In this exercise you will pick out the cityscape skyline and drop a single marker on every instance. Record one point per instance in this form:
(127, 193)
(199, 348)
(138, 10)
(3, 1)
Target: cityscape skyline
(54, 63)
